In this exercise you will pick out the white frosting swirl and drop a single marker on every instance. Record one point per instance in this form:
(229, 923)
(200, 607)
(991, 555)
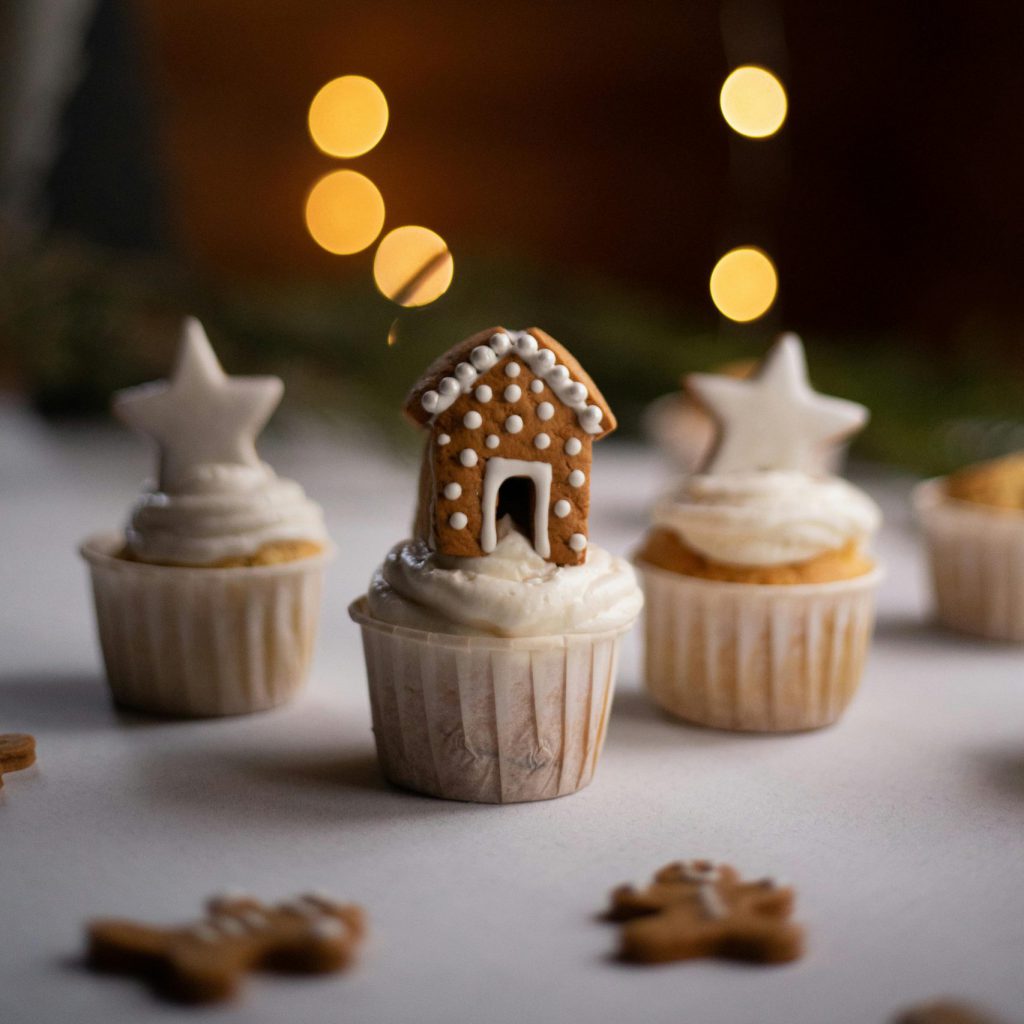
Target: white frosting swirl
(510, 592)
(767, 517)
(222, 511)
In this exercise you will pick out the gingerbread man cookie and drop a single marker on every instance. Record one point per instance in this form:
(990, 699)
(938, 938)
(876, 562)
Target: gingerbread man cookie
(700, 909)
(17, 751)
(205, 961)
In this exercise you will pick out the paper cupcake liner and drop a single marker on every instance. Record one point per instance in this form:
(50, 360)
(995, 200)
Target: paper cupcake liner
(488, 719)
(755, 657)
(976, 555)
(203, 642)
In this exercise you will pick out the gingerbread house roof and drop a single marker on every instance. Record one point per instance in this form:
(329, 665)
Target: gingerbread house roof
(455, 373)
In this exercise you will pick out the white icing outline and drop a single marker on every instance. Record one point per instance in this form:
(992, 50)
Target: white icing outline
(541, 361)
(497, 472)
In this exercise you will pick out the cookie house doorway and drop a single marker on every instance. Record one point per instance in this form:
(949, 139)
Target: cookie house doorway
(521, 489)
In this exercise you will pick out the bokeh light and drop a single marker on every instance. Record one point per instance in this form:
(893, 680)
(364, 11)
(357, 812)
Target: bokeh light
(413, 266)
(744, 284)
(753, 102)
(344, 212)
(348, 116)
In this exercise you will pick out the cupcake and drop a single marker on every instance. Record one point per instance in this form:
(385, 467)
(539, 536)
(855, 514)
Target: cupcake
(207, 602)
(759, 587)
(973, 523)
(492, 634)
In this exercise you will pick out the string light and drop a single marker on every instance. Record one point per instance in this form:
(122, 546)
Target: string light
(413, 266)
(344, 212)
(348, 116)
(744, 284)
(753, 102)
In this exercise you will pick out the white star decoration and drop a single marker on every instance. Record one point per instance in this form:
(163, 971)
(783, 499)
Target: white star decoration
(774, 420)
(201, 415)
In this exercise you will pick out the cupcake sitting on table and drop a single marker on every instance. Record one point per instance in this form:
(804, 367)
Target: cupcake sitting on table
(759, 589)
(207, 603)
(492, 635)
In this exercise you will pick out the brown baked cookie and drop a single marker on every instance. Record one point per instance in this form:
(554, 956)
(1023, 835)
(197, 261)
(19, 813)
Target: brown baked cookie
(944, 1011)
(205, 961)
(512, 417)
(700, 909)
(17, 751)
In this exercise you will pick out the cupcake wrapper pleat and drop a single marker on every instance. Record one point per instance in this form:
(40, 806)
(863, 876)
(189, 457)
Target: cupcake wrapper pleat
(976, 557)
(203, 642)
(487, 719)
(755, 657)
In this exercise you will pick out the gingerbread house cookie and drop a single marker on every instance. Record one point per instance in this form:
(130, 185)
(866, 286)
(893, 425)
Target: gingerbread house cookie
(512, 417)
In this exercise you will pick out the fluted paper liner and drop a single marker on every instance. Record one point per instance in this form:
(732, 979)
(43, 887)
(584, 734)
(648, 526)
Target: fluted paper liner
(488, 719)
(203, 642)
(976, 555)
(755, 657)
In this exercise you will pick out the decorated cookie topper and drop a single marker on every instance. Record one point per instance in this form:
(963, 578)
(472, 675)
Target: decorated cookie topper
(512, 417)
(201, 415)
(775, 420)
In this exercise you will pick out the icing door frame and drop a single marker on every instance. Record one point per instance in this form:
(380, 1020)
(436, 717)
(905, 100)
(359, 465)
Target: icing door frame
(497, 471)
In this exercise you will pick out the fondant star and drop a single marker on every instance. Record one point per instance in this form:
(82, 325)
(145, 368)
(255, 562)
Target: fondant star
(201, 415)
(774, 420)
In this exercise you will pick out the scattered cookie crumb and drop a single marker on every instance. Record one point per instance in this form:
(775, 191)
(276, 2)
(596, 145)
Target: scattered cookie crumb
(205, 961)
(17, 751)
(944, 1011)
(701, 909)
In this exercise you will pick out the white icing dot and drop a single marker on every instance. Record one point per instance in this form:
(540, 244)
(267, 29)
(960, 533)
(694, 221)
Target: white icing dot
(542, 441)
(443, 439)
(492, 441)
(452, 491)
(327, 928)
(536, 386)
(458, 521)
(559, 375)
(527, 343)
(468, 458)
(544, 360)
(577, 542)
(562, 508)
(429, 400)
(593, 413)
(545, 411)
(205, 933)
(230, 926)
(484, 393)
(500, 342)
(449, 386)
(465, 373)
(513, 393)
(482, 357)
(576, 477)
(573, 446)
(513, 370)
(575, 392)
(472, 419)
(514, 424)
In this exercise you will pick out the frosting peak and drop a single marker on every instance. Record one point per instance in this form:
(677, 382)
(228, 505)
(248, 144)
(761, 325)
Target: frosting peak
(510, 592)
(771, 517)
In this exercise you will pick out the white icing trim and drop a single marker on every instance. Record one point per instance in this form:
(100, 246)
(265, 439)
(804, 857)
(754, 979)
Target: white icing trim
(541, 361)
(497, 472)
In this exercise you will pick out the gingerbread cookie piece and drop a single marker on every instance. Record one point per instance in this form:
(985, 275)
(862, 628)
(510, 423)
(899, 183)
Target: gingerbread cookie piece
(17, 751)
(512, 417)
(944, 1011)
(205, 961)
(700, 909)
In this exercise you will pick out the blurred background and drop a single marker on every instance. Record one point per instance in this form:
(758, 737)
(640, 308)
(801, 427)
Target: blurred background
(662, 186)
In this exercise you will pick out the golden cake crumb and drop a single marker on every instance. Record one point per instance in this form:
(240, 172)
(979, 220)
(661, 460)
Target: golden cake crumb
(663, 549)
(998, 483)
(276, 552)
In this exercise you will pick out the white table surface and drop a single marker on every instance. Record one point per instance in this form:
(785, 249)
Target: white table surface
(902, 827)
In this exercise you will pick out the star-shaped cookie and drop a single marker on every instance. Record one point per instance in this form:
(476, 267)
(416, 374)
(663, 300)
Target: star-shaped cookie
(774, 420)
(201, 415)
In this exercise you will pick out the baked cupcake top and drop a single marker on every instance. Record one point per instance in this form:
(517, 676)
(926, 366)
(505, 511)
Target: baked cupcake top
(998, 483)
(215, 502)
(755, 504)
